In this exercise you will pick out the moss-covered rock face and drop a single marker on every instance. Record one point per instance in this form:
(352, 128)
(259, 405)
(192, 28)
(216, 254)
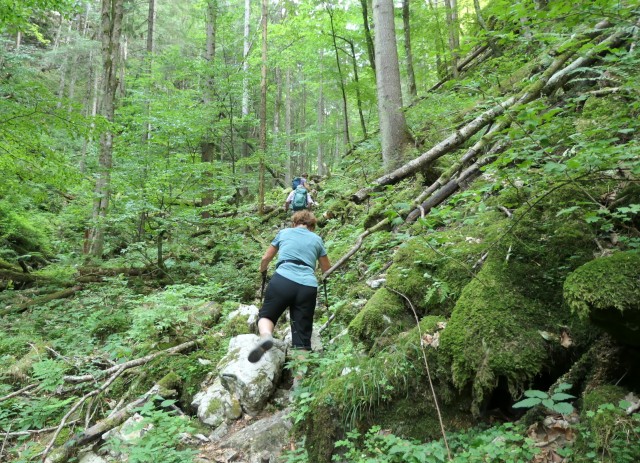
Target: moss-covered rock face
(542, 247)
(432, 275)
(607, 292)
(493, 333)
(380, 319)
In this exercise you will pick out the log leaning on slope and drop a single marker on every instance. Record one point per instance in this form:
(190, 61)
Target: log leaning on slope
(552, 78)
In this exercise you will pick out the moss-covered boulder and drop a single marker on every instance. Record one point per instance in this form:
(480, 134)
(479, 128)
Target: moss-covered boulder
(431, 271)
(382, 317)
(607, 292)
(493, 333)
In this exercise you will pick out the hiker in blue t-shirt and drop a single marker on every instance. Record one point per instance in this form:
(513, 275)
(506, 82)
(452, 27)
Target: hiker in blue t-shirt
(293, 285)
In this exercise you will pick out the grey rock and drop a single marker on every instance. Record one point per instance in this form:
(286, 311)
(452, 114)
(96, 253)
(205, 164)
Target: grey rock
(264, 437)
(215, 404)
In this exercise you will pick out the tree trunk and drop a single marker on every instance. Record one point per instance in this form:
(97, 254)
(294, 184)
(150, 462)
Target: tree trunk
(112, 13)
(357, 81)
(207, 146)
(342, 88)
(151, 18)
(263, 109)
(367, 35)
(245, 77)
(93, 94)
(393, 126)
(411, 78)
(288, 127)
(320, 120)
(451, 8)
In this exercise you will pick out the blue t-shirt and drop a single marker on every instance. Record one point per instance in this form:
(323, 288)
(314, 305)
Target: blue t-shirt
(299, 244)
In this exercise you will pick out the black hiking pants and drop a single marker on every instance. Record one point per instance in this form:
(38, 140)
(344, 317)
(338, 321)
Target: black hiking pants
(283, 293)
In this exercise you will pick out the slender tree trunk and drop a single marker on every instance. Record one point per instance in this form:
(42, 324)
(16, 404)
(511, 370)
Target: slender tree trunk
(263, 109)
(18, 40)
(357, 81)
(288, 126)
(112, 12)
(151, 19)
(342, 88)
(411, 78)
(438, 40)
(277, 109)
(451, 8)
(320, 120)
(245, 77)
(393, 126)
(367, 34)
(94, 95)
(207, 146)
(64, 66)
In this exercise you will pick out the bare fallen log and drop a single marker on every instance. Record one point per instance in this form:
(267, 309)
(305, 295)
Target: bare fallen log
(130, 364)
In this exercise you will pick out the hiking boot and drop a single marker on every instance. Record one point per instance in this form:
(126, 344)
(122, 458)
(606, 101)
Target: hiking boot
(258, 351)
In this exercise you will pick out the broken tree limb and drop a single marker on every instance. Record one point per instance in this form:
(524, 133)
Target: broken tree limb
(514, 104)
(463, 65)
(357, 246)
(130, 363)
(17, 393)
(94, 433)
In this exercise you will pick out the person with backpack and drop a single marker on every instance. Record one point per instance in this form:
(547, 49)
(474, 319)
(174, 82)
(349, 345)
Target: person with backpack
(299, 199)
(293, 285)
(302, 180)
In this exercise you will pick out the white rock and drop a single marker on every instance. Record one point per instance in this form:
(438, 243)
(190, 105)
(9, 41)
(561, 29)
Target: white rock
(376, 283)
(251, 383)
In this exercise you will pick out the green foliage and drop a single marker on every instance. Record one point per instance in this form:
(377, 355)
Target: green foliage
(160, 435)
(554, 402)
(607, 433)
(504, 443)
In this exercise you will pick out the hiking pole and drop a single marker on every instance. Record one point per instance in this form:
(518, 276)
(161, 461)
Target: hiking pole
(326, 299)
(264, 282)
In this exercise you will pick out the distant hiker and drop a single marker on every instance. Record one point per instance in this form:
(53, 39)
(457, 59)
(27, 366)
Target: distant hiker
(293, 285)
(302, 180)
(299, 199)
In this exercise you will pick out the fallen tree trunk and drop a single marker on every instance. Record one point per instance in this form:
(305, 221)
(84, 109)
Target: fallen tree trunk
(549, 80)
(41, 300)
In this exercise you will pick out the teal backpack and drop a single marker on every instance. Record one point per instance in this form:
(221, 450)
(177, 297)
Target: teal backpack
(299, 200)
